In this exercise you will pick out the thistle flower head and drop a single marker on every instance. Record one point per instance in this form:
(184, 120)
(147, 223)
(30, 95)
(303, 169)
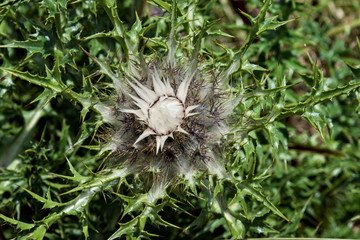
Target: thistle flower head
(169, 117)
(161, 110)
(170, 113)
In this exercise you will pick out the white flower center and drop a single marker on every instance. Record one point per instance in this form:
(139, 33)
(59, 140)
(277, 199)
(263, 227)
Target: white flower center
(161, 109)
(166, 115)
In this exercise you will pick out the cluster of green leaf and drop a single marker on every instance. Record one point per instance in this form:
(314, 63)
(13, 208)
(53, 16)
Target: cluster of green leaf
(292, 152)
(315, 180)
(318, 181)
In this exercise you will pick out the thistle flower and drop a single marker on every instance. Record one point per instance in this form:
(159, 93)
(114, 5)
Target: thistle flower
(170, 113)
(168, 117)
(161, 109)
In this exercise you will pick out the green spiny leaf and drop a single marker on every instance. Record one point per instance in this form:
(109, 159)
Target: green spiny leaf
(35, 79)
(234, 223)
(239, 197)
(200, 220)
(218, 32)
(250, 68)
(19, 224)
(133, 36)
(77, 176)
(110, 8)
(46, 95)
(276, 138)
(260, 91)
(249, 17)
(152, 213)
(32, 46)
(125, 229)
(48, 203)
(38, 234)
(270, 23)
(318, 121)
(261, 198)
(120, 86)
(237, 228)
(98, 180)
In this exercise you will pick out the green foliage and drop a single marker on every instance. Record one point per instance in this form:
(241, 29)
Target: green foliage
(290, 158)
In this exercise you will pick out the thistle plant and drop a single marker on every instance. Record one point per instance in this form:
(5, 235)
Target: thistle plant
(170, 122)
